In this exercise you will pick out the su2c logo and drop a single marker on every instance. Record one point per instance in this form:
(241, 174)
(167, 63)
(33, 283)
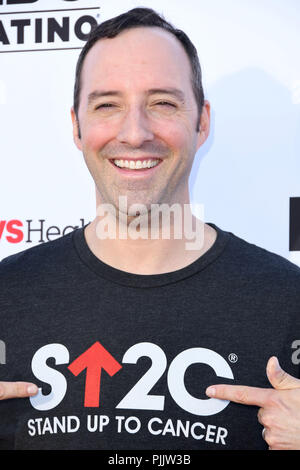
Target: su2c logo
(96, 358)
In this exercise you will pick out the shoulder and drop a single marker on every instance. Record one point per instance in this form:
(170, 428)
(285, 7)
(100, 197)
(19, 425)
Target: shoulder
(38, 259)
(250, 260)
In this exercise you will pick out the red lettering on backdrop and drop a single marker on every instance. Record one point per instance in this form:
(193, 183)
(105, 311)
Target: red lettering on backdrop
(94, 360)
(2, 226)
(14, 231)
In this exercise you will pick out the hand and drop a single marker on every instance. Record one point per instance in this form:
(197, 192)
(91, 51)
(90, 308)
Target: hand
(17, 390)
(279, 407)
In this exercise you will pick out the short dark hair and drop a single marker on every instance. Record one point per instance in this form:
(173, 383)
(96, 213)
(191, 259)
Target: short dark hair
(135, 18)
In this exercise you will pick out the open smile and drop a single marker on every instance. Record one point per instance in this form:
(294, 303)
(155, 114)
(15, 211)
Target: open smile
(136, 167)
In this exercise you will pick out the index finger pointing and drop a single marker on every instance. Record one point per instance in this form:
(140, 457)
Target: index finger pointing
(240, 394)
(17, 390)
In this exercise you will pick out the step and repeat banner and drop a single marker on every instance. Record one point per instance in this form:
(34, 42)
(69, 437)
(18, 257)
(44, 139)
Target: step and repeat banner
(247, 174)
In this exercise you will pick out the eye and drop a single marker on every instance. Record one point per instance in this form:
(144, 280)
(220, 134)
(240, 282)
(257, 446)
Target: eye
(165, 103)
(104, 106)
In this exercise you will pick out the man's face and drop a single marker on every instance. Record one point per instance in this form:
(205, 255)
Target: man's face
(137, 103)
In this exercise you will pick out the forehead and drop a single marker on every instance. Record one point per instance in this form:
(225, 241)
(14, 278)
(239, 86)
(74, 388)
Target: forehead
(137, 58)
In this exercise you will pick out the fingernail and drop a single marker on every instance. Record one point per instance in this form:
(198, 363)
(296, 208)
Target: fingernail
(210, 391)
(276, 364)
(32, 389)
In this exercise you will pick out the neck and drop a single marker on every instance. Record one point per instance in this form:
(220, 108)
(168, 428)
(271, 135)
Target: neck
(156, 242)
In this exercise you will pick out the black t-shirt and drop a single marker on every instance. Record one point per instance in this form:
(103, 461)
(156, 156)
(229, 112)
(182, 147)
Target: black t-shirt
(123, 360)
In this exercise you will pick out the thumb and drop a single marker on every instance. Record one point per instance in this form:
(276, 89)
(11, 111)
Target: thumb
(278, 378)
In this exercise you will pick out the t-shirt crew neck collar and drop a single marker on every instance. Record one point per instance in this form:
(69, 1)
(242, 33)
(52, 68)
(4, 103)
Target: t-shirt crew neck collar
(147, 280)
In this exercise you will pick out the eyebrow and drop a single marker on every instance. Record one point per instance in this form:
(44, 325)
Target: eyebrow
(170, 91)
(98, 94)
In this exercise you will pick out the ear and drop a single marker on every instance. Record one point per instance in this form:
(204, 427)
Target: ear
(204, 124)
(76, 136)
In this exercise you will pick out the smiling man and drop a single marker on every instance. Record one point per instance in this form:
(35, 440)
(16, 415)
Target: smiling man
(135, 340)
(137, 121)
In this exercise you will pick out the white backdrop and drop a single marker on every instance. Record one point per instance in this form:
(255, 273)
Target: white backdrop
(246, 172)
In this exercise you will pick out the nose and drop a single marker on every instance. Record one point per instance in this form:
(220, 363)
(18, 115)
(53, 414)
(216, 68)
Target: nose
(135, 128)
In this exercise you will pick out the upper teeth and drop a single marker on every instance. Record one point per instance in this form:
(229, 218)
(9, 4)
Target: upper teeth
(136, 164)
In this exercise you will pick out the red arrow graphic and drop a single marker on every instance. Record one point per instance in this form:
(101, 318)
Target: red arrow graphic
(94, 360)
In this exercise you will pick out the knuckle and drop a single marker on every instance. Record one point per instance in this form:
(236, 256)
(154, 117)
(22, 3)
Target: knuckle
(260, 413)
(272, 399)
(241, 396)
(282, 378)
(271, 441)
(19, 389)
(221, 391)
(267, 420)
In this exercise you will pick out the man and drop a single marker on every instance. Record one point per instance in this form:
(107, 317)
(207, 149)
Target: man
(124, 334)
